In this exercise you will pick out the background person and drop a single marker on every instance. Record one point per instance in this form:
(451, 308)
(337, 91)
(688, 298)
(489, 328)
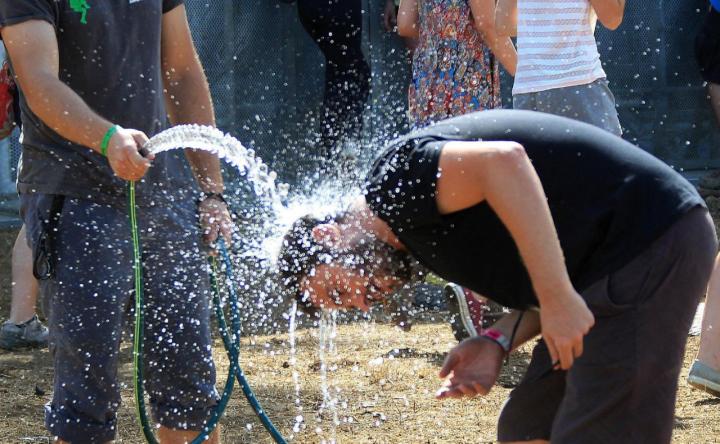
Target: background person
(455, 69)
(559, 69)
(336, 28)
(705, 371)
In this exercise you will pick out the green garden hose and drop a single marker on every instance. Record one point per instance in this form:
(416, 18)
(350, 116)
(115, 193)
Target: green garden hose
(232, 344)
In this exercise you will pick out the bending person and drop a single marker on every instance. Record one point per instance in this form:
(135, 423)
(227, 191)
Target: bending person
(605, 246)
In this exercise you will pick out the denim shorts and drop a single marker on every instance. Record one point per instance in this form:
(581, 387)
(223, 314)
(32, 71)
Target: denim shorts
(592, 103)
(85, 256)
(623, 387)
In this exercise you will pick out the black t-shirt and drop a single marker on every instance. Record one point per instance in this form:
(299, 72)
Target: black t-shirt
(609, 200)
(112, 61)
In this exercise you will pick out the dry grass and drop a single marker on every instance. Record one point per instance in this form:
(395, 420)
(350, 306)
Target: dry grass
(385, 380)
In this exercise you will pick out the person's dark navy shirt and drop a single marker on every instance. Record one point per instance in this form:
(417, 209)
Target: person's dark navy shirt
(609, 201)
(113, 62)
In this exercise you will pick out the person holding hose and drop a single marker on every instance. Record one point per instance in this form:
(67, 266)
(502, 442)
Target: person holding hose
(96, 79)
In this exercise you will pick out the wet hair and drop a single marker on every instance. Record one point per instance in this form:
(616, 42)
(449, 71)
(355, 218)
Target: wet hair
(300, 253)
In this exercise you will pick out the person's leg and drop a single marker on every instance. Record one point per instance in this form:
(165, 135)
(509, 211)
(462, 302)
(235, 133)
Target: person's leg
(179, 369)
(529, 412)
(705, 372)
(170, 436)
(709, 351)
(534, 441)
(23, 328)
(336, 27)
(25, 287)
(633, 355)
(84, 301)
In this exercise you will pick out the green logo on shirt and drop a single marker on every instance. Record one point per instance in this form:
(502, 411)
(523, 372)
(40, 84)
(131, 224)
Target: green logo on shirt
(82, 7)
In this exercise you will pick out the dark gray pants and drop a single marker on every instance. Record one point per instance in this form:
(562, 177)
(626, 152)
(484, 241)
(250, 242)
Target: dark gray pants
(622, 389)
(592, 103)
(86, 299)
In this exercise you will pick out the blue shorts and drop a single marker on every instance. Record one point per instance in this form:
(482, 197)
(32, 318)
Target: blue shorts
(86, 296)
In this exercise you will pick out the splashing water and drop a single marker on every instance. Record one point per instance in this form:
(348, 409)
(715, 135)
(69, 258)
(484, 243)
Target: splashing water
(261, 223)
(299, 420)
(328, 353)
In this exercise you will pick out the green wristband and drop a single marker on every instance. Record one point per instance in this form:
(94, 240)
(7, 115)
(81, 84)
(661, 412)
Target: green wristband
(106, 139)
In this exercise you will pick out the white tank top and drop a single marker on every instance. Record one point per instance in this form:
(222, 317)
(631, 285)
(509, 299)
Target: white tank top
(556, 45)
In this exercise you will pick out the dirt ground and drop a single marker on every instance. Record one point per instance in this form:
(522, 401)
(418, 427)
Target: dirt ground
(385, 379)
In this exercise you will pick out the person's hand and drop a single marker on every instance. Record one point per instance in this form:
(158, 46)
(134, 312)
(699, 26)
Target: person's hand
(123, 154)
(565, 319)
(215, 220)
(471, 368)
(390, 16)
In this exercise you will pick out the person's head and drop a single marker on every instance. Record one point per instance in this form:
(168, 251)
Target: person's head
(325, 268)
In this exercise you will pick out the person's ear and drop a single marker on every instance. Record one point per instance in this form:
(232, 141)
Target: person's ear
(327, 235)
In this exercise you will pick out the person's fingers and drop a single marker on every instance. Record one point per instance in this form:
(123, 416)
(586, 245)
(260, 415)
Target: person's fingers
(578, 349)
(455, 392)
(450, 363)
(566, 355)
(552, 350)
(141, 139)
(131, 168)
(137, 162)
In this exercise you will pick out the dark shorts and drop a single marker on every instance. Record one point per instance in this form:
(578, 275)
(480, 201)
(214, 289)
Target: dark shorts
(622, 389)
(86, 299)
(707, 47)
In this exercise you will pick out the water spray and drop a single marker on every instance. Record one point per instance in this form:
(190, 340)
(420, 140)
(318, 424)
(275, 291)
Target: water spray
(226, 147)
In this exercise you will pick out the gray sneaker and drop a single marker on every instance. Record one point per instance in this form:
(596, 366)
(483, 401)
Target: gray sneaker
(28, 334)
(704, 378)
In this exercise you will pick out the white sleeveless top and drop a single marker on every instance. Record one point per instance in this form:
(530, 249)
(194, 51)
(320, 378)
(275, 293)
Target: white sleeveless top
(556, 45)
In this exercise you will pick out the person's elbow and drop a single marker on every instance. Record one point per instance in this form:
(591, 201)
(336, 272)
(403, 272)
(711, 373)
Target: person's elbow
(612, 23)
(612, 19)
(509, 156)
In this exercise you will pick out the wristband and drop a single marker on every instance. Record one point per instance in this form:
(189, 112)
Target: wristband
(497, 337)
(106, 140)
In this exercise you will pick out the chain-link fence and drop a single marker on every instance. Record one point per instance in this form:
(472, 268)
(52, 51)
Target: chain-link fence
(266, 76)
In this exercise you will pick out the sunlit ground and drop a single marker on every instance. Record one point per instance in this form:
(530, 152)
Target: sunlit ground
(385, 380)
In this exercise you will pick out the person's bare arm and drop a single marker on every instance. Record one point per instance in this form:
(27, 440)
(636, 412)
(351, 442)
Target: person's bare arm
(506, 18)
(609, 12)
(483, 12)
(187, 98)
(33, 50)
(473, 366)
(501, 174)
(408, 19)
